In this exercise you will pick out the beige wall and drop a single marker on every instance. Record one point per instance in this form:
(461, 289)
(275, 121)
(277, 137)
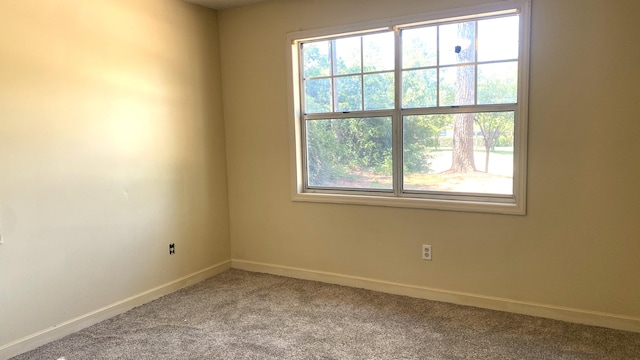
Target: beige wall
(578, 245)
(111, 147)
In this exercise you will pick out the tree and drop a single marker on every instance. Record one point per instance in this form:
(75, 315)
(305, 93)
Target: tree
(462, 159)
(492, 126)
(496, 89)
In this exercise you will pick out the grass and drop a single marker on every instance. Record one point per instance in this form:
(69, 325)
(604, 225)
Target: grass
(474, 182)
(499, 181)
(501, 151)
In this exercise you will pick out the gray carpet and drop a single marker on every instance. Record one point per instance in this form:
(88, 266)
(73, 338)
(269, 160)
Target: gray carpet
(243, 315)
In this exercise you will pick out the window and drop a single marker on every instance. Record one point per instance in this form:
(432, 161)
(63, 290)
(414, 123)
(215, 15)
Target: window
(425, 111)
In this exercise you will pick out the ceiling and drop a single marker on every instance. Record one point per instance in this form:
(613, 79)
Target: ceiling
(223, 4)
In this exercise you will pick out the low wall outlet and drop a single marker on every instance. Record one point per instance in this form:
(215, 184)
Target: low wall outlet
(172, 249)
(426, 252)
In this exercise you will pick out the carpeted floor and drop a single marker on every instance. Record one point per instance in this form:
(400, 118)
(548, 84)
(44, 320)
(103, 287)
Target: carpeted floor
(243, 315)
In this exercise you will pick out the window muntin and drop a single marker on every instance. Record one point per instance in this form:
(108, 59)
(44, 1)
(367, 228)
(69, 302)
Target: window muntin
(437, 59)
(349, 74)
(421, 101)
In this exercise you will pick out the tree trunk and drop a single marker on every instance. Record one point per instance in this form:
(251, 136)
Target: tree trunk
(486, 159)
(462, 159)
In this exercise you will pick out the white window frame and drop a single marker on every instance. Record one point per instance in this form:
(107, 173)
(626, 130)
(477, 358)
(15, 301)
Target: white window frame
(515, 204)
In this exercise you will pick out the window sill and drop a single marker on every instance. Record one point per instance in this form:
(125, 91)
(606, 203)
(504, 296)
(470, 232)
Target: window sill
(507, 208)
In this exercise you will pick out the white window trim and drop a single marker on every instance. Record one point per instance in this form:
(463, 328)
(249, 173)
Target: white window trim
(517, 206)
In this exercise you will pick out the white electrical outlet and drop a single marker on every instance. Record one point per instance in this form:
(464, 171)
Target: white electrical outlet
(426, 252)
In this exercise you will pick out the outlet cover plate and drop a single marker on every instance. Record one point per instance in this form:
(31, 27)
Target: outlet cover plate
(426, 252)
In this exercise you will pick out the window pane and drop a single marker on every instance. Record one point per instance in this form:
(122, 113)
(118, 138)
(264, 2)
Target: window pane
(498, 83)
(419, 47)
(419, 88)
(317, 96)
(378, 91)
(457, 85)
(349, 153)
(457, 43)
(428, 149)
(348, 58)
(378, 52)
(349, 93)
(498, 38)
(316, 59)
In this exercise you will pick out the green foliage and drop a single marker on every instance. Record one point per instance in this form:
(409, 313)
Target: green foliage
(320, 157)
(338, 147)
(349, 93)
(497, 127)
(419, 88)
(316, 59)
(420, 135)
(505, 140)
(378, 91)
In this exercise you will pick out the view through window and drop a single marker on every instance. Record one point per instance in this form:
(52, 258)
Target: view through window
(429, 110)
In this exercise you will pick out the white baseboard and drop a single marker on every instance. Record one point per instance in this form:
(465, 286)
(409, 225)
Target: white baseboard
(586, 317)
(68, 327)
